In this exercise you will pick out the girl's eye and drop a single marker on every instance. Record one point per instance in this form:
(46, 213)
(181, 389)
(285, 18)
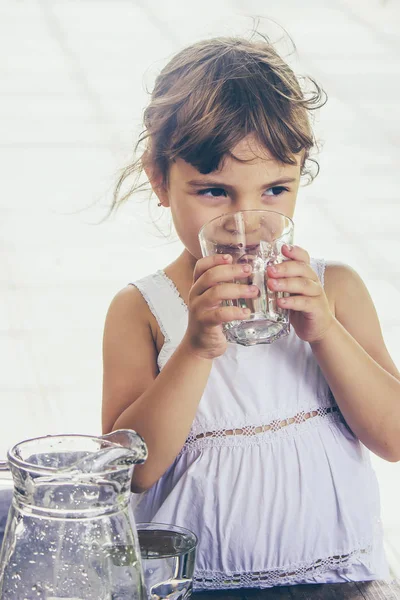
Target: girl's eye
(220, 192)
(276, 191)
(212, 192)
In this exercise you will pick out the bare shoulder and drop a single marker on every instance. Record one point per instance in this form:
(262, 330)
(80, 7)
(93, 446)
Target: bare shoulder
(126, 300)
(353, 307)
(341, 278)
(129, 305)
(129, 353)
(129, 302)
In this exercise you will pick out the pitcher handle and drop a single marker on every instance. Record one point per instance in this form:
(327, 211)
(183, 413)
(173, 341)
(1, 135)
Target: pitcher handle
(4, 466)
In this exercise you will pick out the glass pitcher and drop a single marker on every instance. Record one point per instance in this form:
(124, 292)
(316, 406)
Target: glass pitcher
(70, 532)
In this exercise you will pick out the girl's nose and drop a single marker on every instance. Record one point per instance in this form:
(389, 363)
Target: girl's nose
(246, 223)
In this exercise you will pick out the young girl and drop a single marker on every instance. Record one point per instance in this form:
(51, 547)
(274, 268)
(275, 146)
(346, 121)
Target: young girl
(261, 451)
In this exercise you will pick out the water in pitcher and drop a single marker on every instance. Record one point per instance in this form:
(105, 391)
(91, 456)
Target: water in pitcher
(71, 508)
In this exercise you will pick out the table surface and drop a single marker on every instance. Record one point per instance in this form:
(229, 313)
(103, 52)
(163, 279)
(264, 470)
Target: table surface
(371, 590)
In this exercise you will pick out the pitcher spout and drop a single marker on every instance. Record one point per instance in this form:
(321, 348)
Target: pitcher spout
(120, 449)
(127, 438)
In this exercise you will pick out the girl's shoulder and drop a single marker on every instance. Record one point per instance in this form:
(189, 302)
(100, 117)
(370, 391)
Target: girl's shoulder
(129, 354)
(354, 308)
(338, 275)
(341, 284)
(130, 306)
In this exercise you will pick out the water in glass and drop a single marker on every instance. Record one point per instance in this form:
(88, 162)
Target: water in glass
(253, 237)
(168, 556)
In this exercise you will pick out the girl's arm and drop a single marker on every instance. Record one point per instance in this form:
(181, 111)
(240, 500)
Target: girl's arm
(161, 407)
(341, 325)
(357, 366)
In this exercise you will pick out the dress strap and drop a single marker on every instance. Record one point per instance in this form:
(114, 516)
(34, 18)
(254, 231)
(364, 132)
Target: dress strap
(166, 305)
(318, 265)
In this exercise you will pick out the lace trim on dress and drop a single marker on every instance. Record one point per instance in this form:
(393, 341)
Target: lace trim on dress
(173, 287)
(319, 264)
(153, 311)
(302, 572)
(250, 435)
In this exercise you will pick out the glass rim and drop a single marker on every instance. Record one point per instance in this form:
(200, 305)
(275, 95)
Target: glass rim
(238, 212)
(20, 463)
(148, 526)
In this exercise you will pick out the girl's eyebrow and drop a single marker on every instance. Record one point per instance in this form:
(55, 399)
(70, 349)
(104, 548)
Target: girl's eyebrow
(210, 183)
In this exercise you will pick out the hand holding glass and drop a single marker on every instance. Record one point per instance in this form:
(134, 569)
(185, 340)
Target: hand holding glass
(253, 237)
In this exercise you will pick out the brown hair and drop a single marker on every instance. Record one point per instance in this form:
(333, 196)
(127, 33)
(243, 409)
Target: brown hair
(214, 93)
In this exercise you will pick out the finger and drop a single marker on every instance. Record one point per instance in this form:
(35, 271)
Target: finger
(295, 253)
(295, 285)
(220, 274)
(292, 268)
(208, 262)
(213, 297)
(224, 314)
(304, 304)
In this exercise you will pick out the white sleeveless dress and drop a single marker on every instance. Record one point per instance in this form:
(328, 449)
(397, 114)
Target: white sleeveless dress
(277, 488)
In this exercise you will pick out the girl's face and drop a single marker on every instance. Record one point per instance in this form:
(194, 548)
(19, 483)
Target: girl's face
(261, 183)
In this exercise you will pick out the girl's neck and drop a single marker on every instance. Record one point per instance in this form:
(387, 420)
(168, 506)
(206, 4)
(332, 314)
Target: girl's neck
(181, 273)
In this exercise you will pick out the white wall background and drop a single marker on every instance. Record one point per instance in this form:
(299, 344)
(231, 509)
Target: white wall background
(72, 91)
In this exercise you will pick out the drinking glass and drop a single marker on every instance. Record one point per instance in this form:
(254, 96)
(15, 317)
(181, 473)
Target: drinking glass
(254, 237)
(168, 555)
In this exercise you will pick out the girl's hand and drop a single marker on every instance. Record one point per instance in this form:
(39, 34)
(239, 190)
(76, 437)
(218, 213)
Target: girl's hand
(212, 284)
(310, 313)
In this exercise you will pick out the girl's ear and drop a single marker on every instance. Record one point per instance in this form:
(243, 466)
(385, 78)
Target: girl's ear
(156, 181)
